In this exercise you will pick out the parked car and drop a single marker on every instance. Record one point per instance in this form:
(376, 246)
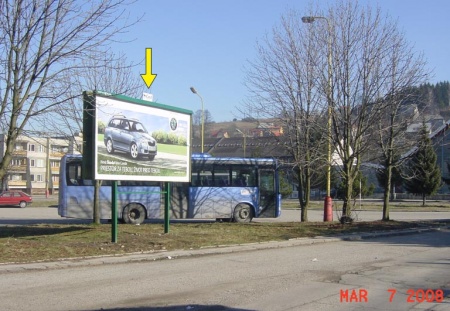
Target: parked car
(15, 198)
(130, 136)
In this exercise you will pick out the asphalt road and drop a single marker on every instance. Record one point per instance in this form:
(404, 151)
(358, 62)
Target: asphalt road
(407, 272)
(49, 215)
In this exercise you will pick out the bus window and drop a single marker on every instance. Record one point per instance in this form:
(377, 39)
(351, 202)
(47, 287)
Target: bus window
(221, 177)
(243, 177)
(202, 178)
(205, 178)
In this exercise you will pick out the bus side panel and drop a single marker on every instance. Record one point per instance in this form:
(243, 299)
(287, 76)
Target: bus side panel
(179, 201)
(80, 202)
(210, 202)
(150, 197)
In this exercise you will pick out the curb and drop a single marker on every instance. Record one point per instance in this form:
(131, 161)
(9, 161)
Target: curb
(222, 249)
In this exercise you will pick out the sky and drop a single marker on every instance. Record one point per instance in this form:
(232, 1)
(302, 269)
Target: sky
(207, 44)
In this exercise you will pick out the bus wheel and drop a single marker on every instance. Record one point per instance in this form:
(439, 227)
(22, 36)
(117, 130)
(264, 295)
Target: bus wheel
(134, 214)
(243, 213)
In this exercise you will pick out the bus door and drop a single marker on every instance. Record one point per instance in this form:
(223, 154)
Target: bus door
(268, 198)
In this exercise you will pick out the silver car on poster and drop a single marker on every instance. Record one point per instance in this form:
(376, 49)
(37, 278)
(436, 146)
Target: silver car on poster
(130, 136)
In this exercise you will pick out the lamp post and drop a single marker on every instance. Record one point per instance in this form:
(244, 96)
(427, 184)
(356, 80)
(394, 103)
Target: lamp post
(328, 204)
(193, 90)
(244, 136)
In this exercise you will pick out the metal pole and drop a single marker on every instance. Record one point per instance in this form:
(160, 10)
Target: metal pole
(328, 204)
(166, 206)
(328, 208)
(203, 122)
(114, 212)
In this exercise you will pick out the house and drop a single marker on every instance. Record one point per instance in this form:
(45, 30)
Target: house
(267, 129)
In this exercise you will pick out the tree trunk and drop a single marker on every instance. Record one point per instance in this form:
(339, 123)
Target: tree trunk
(302, 201)
(386, 194)
(96, 216)
(348, 189)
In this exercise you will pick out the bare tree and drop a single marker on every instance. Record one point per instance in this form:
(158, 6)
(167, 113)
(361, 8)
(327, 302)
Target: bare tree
(407, 71)
(197, 121)
(43, 45)
(197, 117)
(283, 83)
(364, 67)
(106, 72)
(370, 61)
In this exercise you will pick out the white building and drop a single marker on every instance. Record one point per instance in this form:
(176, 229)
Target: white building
(34, 167)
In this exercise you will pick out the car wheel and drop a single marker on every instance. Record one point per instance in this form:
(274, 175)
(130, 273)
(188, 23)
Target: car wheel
(243, 213)
(134, 214)
(134, 151)
(23, 204)
(109, 146)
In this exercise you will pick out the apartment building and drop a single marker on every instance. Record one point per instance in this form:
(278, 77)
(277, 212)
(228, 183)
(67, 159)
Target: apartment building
(34, 167)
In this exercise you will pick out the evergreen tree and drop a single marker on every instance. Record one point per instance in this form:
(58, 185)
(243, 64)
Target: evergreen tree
(424, 173)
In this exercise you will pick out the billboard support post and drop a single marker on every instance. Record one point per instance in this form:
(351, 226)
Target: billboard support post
(114, 212)
(166, 206)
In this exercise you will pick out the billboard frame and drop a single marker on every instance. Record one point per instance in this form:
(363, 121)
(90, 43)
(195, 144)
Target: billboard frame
(99, 106)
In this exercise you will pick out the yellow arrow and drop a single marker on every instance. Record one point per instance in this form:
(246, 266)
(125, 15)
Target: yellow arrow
(148, 77)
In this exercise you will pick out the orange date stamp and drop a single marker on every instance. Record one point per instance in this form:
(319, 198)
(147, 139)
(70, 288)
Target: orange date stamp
(413, 295)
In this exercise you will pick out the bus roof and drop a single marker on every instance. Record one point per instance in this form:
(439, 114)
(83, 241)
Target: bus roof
(234, 160)
(208, 159)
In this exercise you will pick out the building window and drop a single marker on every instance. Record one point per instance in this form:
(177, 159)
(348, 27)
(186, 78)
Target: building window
(40, 163)
(32, 162)
(37, 178)
(31, 147)
(16, 162)
(41, 148)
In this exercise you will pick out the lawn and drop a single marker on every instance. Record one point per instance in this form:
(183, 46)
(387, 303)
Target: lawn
(52, 242)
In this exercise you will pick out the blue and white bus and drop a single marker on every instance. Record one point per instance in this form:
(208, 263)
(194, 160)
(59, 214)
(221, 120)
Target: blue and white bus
(237, 189)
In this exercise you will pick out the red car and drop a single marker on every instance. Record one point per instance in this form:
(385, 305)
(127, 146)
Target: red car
(15, 198)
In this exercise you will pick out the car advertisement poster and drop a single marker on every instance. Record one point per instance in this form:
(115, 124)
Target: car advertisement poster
(141, 140)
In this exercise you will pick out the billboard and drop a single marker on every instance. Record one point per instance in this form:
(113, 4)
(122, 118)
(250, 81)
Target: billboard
(133, 139)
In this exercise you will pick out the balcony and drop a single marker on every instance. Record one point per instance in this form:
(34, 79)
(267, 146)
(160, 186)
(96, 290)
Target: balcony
(22, 183)
(18, 168)
(19, 153)
(57, 154)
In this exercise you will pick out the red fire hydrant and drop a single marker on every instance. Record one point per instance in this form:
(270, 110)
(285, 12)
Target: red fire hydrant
(328, 209)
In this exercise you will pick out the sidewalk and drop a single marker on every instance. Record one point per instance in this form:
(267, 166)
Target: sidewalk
(171, 255)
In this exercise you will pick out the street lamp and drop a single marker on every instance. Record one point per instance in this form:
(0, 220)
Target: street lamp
(328, 204)
(193, 90)
(245, 136)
